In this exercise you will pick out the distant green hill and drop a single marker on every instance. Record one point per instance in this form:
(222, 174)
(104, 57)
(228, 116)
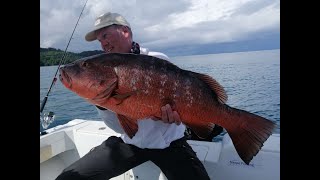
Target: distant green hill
(52, 56)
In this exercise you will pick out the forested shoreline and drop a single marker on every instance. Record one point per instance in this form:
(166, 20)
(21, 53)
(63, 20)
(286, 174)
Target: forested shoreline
(52, 56)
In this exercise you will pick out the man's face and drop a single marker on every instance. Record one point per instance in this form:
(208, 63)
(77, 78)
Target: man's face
(115, 39)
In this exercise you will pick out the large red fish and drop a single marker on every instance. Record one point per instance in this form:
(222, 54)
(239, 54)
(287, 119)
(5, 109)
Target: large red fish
(137, 86)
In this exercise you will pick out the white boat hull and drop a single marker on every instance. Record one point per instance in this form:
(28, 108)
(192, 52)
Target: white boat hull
(64, 144)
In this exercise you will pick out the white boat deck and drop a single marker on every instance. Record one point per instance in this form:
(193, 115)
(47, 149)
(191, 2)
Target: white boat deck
(65, 144)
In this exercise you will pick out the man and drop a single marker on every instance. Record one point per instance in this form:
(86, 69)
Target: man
(161, 141)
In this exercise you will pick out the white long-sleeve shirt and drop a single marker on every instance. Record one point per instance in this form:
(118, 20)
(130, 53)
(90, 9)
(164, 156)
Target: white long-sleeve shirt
(151, 134)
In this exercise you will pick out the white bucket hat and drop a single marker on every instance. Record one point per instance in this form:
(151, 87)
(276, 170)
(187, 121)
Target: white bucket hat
(105, 20)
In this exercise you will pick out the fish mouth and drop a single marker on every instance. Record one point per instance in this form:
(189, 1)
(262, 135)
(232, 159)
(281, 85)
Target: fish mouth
(65, 78)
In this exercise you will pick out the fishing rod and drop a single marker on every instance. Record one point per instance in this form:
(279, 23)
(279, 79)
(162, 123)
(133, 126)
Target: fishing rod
(47, 119)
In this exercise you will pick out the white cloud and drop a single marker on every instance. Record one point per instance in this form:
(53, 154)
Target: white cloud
(162, 23)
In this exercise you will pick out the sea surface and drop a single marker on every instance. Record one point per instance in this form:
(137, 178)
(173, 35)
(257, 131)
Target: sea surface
(251, 80)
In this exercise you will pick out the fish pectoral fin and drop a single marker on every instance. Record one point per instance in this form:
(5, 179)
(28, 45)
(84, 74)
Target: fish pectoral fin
(108, 91)
(202, 129)
(121, 97)
(129, 125)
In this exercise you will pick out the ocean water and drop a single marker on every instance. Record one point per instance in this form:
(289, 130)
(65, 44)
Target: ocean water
(251, 80)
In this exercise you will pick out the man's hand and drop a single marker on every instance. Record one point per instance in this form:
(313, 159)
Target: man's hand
(168, 116)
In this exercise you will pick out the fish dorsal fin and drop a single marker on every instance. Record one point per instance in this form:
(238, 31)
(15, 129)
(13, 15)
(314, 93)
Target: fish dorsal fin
(129, 125)
(215, 86)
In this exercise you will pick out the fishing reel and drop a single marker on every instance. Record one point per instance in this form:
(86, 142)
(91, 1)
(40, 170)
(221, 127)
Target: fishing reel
(46, 119)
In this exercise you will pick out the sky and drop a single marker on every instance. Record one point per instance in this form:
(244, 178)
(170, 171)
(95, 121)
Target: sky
(174, 27)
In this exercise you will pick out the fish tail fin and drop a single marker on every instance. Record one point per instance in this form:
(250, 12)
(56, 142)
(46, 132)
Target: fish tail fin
(247, 131)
